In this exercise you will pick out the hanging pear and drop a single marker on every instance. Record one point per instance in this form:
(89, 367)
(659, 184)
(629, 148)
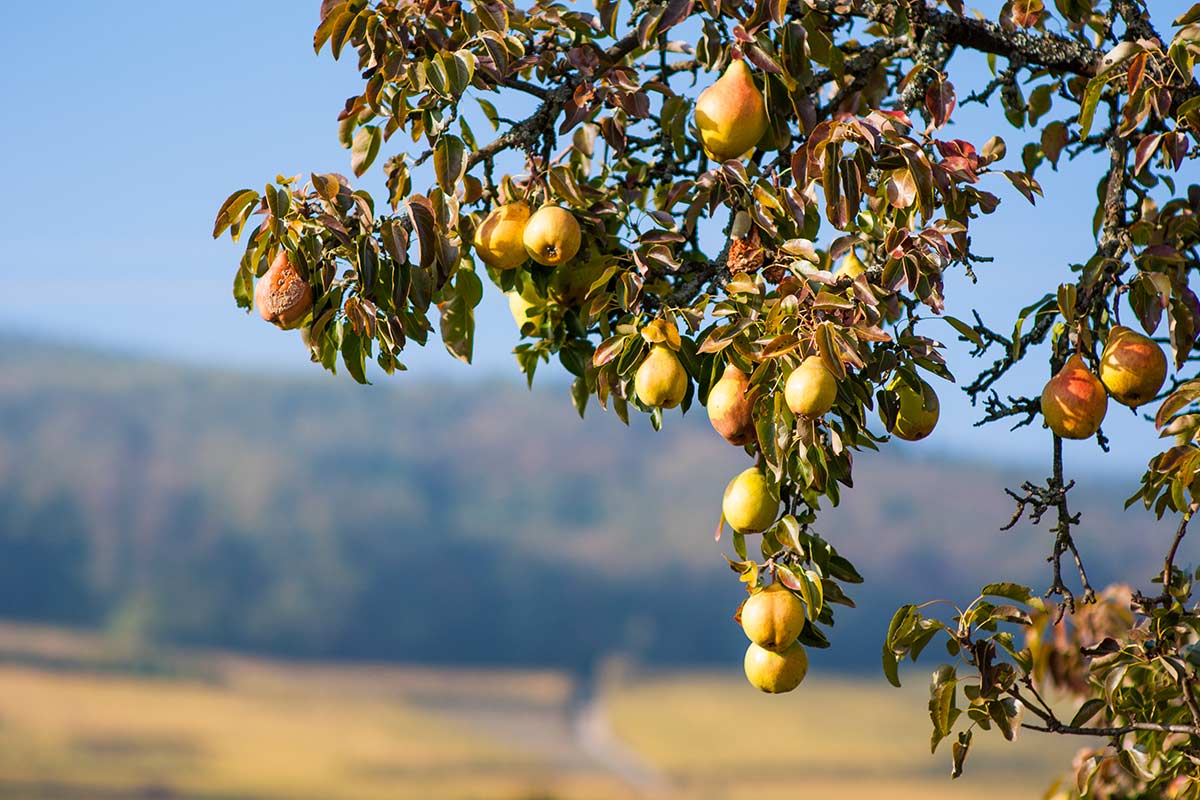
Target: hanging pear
(1074, 402)
(730, 114)
(918, 411)
(283, 297)
(661, 381)
(499, 239)
(1132, 367)
(551, 235)
(810, 389)
(729, 410)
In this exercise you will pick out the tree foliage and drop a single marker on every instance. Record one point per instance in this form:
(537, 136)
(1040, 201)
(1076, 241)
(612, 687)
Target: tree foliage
(733, 263)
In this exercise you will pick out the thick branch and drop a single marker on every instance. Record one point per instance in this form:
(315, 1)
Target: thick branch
(1048, 50)
(1119, 730)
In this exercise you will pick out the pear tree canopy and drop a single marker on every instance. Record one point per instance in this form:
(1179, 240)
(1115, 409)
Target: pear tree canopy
(773, 248)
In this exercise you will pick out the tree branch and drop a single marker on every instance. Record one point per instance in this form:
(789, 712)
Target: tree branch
(1119, 730)
(1048, 50)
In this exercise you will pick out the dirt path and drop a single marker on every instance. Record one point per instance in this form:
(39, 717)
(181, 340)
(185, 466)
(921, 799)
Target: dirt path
(573, 736)
(596, 737)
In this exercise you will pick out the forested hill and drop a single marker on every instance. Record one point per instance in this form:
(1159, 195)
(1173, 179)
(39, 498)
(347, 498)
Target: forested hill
(470, 522)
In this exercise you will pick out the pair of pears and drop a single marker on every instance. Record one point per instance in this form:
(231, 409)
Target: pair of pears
(810, 391)
(772, 619)
(1132, 369)
(513, 233)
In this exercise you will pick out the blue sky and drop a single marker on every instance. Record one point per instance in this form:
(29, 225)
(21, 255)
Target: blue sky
(126, 131)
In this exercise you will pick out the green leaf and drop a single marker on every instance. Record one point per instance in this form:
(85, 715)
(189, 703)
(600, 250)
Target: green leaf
(1066, 301)
(243, 286)
(233, 212)
(1181, 398)
(1087, 108)
(354, 354)
(458, 315)
(739, 545)
(1012, 591)
(1089, 709)
(964, 330)
(365, 148)
(1039, 306)
(843, 570)
(942, 686)
(890, 667)
(489, 111)
(449, 160)
(580, 394)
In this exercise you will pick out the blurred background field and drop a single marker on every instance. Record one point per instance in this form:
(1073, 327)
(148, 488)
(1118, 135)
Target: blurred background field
(432, 592)
(85, 717)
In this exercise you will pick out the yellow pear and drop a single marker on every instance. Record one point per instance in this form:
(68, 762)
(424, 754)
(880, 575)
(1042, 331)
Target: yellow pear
(773, 617)
(811, 389)
(751, 503)
(552, 236)
(499, 239)
(661, 380)
(1074, 402)
(729, 410)
(282, 296)
(851, 266)
(730, 114)
(918, 413)
(1132, 367)
(774, 672)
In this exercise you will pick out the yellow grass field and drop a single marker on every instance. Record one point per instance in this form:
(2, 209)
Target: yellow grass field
(717, 737)
(76, 723)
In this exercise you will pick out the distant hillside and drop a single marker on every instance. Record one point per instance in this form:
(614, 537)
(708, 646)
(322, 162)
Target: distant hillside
(432, 523)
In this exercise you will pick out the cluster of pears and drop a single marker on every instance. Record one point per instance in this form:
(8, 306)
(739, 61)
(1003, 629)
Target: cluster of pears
(810, 391)
(513, 233)
(283, 296)
(772, 619)
(1132, 370)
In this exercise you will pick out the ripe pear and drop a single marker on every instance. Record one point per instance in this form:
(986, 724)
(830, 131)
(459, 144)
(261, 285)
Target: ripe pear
(282, 296)
(811, 389)
(851, 266)
(661, 379)
(729, 410)
(751, 503)
(1132, 367)
(552, 236)
(499, 239)
(730, 114)
(918, 413)
(1074, 401)
(773, 618)
(775, 672)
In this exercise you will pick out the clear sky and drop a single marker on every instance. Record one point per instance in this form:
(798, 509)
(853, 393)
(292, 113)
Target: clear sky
(126, 129)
